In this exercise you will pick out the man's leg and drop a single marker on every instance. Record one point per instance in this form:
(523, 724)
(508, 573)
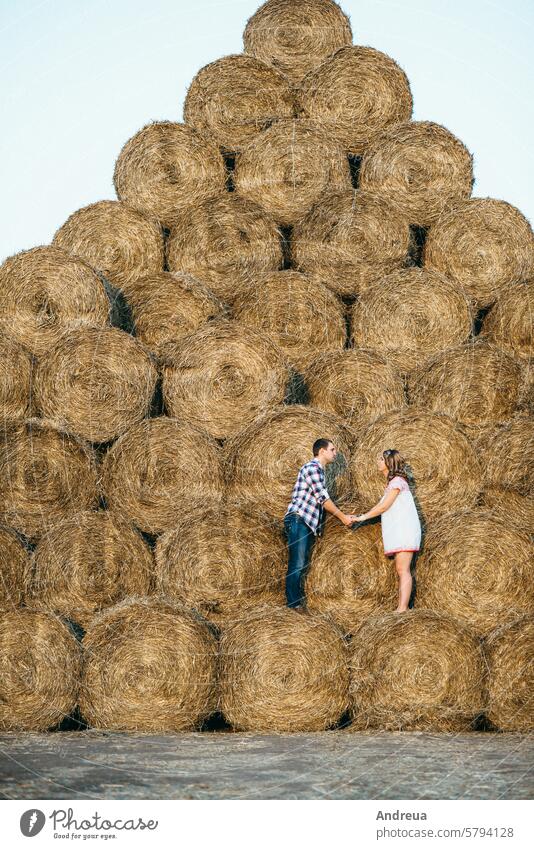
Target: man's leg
(300, 541)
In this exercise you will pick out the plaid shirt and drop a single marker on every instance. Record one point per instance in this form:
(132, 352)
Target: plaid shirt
(309, 495)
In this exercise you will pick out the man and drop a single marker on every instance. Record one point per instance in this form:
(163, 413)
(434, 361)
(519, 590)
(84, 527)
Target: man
(303, 519)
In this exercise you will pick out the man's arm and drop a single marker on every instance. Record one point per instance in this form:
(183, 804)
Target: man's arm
(330, 507)
(313, 478)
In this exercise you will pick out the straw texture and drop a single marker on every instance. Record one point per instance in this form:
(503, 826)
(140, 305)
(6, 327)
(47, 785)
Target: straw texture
(222, 560)
(223, 376)
(234, 98)
(420, 165)
(301, 315)
(96, 382)
(483, 244)
(349, 577)
(119, 242)
(89, 562)
(476, 384)
(14, 569)
(40, 663)
(351, 239)
(42, 290)
(411, 315)
(262, 462)
(507, 455)
(445, 467)
(15, 378)
(506, 505)
(167, 307)
(283, 671)
(476, 568)
(356, 385)
(510, 322)
(509, 651)
(296, 35)
(226, 242)
(416, 671)
(46, 475)
(354, 95)
(149, 665)
(156, 467)
(288, 167)
(167, 167)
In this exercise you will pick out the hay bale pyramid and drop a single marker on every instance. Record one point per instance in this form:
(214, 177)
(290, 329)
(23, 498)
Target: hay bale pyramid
(297, 258)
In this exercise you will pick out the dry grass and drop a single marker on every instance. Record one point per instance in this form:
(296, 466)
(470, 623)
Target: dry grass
(416, 671)
(351, 239)
(421, 166)
(509, 651)
(119, 242)
(296, 37)
(354, 95)
(283, 671)
(477, 568)
(222, 377)
(40, 663)
(149, 665)
(483, 244)
(234, 98)
(42, 290)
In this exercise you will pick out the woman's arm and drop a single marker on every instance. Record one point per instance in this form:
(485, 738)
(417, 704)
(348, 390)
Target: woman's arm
(379, 508)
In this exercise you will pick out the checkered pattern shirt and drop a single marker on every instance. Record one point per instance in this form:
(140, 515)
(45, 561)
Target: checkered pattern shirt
(309, 495)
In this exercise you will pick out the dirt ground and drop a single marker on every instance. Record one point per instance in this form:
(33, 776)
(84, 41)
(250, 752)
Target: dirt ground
(332, 765)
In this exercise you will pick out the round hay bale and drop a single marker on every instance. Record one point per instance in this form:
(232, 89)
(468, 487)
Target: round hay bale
(354, 95)
(443, 463)
(40, 662)
(149, 665)
(509, 651)
(510, 322)
(506, 505)
(287, 168)
(167, 307)
(483, 244)
(221, 560)
(116, 240)
(283, 671)
(156, 467)
(476, 384)
(46, 475)
(14, 569)
(421, 166)
(262, 462)
(89, 562)
(42, 290)
(416, 671)
(411, 315)
(349, 577)
(226, 242)
(15, 378)
(222, 377)
(234, 98)
(507, 455)
(358, 386)
(300, 315)
(476, 568)
(96, 382)
(166, 168)
(350, 239)
(296, 37)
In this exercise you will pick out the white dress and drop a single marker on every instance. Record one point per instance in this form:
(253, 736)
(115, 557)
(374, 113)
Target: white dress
(401, 528)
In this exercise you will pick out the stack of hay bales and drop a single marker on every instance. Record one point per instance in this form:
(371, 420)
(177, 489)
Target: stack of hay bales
(297, 259)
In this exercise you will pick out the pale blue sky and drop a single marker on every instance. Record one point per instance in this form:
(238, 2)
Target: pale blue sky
(80, 78)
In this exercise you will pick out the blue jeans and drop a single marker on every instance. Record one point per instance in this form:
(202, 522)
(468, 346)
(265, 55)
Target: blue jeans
(300, 541)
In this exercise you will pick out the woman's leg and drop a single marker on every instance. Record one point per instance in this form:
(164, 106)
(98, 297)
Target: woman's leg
(403, 560)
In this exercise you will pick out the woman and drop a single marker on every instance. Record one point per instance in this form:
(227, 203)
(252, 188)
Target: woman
(401, 529)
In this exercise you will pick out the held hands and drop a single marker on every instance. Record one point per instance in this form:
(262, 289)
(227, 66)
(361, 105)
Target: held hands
(349, 519)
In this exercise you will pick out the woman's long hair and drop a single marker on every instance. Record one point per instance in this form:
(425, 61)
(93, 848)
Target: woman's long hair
(396, 464)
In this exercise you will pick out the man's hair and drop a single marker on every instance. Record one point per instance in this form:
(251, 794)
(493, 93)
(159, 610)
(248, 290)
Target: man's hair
(320, 443)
